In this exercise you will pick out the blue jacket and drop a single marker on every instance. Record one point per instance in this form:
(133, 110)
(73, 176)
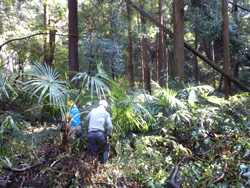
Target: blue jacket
(75, 116)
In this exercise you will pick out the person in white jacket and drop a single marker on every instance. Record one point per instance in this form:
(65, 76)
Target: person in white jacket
(96, 137)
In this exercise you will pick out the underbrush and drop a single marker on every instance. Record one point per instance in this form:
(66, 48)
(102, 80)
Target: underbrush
(34, 160)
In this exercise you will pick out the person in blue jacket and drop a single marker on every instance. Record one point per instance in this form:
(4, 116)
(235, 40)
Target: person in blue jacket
(75, 123)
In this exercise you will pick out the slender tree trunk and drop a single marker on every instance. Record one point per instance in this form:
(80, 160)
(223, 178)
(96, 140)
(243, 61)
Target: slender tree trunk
(46, 26)
(161, 50)
(213, 59)
(178, 7)
(195, 57)
(73, 36)
(52, 46)
(234, 13)
(166, 58)
(225, 39)
(111, 36)
(170, 57)
(235, 67)
(130, 48)
(157, 58)
(142, 64)
(235, 8)
(146, 71)
(207, 45)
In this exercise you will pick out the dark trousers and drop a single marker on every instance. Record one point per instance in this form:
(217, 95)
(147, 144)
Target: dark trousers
(96, 142)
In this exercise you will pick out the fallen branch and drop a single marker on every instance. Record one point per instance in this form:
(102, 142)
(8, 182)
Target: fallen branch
(219, 178)
(239, 6)
(32, 36)
(21, 169)
(173, 177)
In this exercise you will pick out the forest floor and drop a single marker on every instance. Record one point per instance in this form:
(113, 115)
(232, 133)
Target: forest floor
(51, 168)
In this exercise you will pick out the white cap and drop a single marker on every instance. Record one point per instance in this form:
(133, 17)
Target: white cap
(89, 104)
(104, 103)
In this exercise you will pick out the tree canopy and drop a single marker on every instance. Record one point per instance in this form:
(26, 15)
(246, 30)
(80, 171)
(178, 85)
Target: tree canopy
(166, 69)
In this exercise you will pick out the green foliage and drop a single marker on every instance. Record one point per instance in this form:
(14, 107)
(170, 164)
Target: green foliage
(101, 50)
(98, 85)
(130, 112)
(152, 133)
(44, 83)
(10, 124)
(5, 87)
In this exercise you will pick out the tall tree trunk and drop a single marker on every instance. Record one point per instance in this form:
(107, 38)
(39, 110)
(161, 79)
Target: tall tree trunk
(146, 71)
(225, 39)
(234, 13)
(157, 58)
(73, 37)
(141, 52)
(111, 36)
(52, 45)
(130, 48)
(207, 45)
(142, 65)
(235, 8)
(46, 26)
(161, 48)
(166, 59)
(196, 58)
(178, 7)
(213, 59)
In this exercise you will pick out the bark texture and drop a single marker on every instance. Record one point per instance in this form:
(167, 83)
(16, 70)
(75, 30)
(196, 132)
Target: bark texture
(73, 41)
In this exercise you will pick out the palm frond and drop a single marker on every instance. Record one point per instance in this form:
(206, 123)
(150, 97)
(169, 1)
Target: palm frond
(95, 84)
(5, 86)
(199, 89)
(168, 98)
(131, 111)
(181, 116)
(217, 100)
(10, 121)
(44, 83)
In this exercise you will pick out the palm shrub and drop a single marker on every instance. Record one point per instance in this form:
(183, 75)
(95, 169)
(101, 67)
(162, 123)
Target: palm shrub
(130, 112)
(45, 86)
(93, 87)
(11, 122)
(170, 110)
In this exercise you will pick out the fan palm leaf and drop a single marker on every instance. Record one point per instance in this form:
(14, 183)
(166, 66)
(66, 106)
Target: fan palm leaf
(195, 91)
(167, 97)
(98, 84)
(130, 110)
(45, 83)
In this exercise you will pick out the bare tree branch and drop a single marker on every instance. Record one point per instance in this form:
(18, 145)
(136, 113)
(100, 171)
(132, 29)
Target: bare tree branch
(30, 37)
(221, 177)
(172, 179)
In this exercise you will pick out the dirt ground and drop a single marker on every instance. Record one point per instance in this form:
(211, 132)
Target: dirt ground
(58, 170)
